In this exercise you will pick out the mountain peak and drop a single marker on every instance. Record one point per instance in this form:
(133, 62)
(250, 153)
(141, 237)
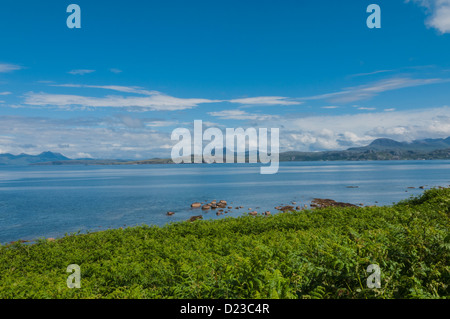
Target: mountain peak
(386, 142)
(48, 153)
(26, 159)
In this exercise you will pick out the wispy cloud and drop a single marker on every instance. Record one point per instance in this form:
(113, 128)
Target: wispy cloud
(241, 115)
(371, 73)
(439, 14)
(364, 92)
(154, 102)
(118, 88)
(266, 100)
(364, 108)
(117, 71)
(5, 93)
(5, 68)
(330, 107)
(81, 72)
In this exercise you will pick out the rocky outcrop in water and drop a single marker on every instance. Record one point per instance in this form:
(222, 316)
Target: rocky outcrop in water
(323, 203)
(194, 218)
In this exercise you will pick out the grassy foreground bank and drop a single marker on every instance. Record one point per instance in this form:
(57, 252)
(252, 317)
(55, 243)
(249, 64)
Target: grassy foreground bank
(308, 254)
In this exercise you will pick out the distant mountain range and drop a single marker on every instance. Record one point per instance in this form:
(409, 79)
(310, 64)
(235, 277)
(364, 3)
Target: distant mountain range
(25, 159)
(50, 158)
(385, 144)
(379, 149)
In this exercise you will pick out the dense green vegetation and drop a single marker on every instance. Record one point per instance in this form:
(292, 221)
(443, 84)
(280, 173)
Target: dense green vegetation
(308, 254)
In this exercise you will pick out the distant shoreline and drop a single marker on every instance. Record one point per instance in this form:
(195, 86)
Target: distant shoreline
(379, 150)
(169, 161)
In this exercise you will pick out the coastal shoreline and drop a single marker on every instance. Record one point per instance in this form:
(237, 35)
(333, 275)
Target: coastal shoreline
(322, 253)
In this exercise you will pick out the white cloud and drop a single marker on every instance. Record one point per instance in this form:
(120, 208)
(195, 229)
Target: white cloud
(335, 132)
(5, 93)
(330, 107)
(83, 155)
(154, 102)
(371, 73)
(266, 100)
(81, 72)
(118, 88)
(4, 67)
(366, 108)
(363, 92)
(241, 115)
(128, 137)
(439, 14)
(80, 137)
(117, 71)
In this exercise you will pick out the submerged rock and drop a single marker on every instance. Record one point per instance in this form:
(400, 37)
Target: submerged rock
(322, 203)
(21, 241)
(170, 213)
(286, 208)
(194, 218)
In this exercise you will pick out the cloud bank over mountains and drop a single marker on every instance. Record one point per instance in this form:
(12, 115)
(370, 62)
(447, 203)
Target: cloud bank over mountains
(127, 136)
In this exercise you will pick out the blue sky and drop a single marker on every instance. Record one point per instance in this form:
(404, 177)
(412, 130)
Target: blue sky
(136, 70)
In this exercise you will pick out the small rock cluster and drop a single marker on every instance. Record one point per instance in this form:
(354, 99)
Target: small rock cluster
(323, 203)
(222, 207)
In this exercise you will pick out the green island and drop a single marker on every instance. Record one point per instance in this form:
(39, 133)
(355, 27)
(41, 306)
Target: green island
(320, 253)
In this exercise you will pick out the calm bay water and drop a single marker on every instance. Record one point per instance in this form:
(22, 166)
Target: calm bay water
(50, 201)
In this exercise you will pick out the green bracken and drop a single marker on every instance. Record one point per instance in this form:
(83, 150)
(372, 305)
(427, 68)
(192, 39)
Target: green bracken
(307, 254)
